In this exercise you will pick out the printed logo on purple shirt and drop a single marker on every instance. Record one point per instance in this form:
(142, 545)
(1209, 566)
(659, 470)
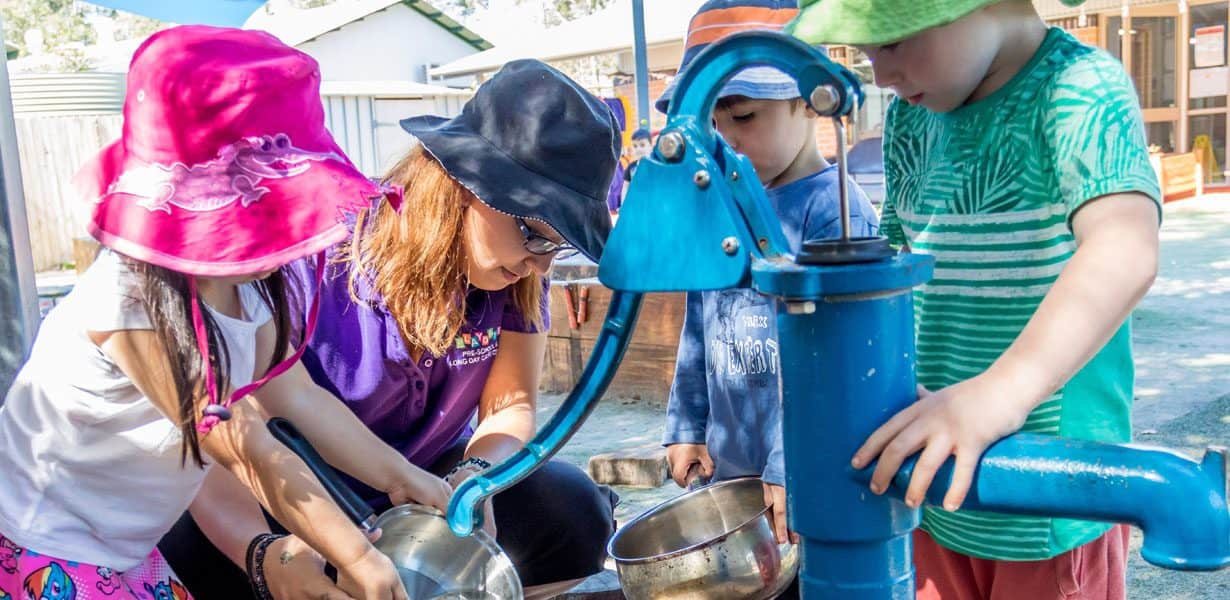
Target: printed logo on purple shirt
(473, 347)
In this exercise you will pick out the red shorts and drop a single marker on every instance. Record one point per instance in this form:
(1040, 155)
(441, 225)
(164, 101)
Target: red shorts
(1094, 571)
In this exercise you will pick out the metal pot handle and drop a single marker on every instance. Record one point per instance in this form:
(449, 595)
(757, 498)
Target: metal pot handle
(355, 507)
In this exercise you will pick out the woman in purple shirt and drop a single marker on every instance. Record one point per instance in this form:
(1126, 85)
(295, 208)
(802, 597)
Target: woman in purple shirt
(436, 313)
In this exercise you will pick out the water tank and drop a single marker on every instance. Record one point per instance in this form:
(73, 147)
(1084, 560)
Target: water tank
(67, 93)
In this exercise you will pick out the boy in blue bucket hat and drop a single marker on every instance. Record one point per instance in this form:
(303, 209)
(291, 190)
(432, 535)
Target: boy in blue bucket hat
(723, 415)
(1015, 156)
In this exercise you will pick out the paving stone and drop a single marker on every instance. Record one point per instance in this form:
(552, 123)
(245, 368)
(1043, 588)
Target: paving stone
(638, 467)
(603, 586)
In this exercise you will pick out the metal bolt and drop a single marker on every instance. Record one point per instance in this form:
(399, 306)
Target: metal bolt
(701, 179)
(734, 176)
(764, 243)
(671, 146)
(730, 245)
(825, 99)
(801, 308)
(1224, 458)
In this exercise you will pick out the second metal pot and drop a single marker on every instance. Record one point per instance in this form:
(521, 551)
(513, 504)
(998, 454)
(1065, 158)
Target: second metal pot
(712, 543)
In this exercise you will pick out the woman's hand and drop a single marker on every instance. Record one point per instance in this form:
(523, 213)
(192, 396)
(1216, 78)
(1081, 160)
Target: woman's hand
(418, 486)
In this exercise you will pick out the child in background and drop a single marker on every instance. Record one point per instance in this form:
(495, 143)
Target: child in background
(724, 415)
(1015, 155)
(642, 145)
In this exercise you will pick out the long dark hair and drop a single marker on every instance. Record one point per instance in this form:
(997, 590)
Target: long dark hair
(166, 297)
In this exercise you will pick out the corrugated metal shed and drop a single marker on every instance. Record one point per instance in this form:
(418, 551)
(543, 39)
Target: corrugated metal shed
(364, 116)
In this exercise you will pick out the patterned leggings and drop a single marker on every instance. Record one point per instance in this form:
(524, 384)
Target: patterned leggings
(27, 575)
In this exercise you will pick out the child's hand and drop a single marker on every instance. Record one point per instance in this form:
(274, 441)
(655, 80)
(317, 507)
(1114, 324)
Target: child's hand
(294, 571)
(775, 499)
(419, 486)
(681, 457)
(372, 577)
(961, 420)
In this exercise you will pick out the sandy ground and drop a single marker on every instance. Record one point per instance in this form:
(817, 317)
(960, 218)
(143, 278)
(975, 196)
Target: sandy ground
(1182, 351)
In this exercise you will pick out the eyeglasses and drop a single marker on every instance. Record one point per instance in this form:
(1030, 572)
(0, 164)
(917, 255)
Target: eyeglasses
(540, 245)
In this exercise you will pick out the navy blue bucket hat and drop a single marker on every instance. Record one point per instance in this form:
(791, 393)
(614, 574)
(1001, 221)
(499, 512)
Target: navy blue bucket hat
(533, 144)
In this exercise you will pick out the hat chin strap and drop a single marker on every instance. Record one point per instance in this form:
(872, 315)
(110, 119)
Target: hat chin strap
(217, 411)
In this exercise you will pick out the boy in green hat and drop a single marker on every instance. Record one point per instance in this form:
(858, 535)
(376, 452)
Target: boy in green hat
(1016, 157)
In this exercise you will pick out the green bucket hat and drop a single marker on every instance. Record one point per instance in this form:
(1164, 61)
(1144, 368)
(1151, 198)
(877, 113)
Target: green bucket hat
(878, 22)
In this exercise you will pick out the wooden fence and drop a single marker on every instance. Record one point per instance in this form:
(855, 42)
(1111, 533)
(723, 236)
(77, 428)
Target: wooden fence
(52, 149)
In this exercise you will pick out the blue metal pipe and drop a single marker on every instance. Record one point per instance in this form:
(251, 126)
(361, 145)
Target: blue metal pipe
(464, 515)
(847, 348)
(1178, 503)
(847, 366)
(641, 55)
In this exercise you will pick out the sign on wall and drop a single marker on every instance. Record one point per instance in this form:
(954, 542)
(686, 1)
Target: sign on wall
(1209, 46)
(1213, 81)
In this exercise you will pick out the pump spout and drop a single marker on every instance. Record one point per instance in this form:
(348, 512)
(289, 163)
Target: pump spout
(1178, 503)
(464, 514)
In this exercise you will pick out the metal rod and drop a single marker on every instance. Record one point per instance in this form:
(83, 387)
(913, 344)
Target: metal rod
(843, 173)
(640, 53)
(18, 292)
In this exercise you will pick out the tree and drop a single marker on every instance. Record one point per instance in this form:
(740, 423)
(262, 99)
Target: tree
(61, 22)
(66, 27)
(133, 27)
(554, 12)
(462, 8)
(567, 10)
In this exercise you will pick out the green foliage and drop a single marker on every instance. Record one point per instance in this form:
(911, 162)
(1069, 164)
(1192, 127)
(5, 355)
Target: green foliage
(62, 22)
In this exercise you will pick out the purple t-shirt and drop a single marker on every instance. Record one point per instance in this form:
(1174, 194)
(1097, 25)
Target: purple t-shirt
(419, 408)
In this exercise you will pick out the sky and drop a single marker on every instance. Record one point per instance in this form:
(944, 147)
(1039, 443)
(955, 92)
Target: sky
(503, 21)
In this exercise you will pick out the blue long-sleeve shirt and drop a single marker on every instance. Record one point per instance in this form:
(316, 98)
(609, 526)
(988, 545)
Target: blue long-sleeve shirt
(726, 388)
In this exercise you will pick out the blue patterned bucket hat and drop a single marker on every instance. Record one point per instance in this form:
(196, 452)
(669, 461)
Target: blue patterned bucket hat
(717, 19)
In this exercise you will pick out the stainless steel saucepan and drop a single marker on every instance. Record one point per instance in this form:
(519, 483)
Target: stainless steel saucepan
(712, 543)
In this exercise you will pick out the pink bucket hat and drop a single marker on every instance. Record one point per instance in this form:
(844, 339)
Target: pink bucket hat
(224, 167)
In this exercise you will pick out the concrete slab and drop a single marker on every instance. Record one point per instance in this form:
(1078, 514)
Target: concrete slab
(636, 467)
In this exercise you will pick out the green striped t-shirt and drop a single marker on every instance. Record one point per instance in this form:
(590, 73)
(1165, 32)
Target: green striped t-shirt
(989, 190)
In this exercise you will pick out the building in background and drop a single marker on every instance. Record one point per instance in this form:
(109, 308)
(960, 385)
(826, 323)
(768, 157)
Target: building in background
(1175, 51)
(374, 60)
(606, 36)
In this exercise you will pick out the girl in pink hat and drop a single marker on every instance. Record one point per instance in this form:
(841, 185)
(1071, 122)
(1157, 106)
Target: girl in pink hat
(158, 366)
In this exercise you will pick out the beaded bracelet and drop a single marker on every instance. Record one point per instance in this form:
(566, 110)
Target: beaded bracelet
(473, 464)
(256, 564)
